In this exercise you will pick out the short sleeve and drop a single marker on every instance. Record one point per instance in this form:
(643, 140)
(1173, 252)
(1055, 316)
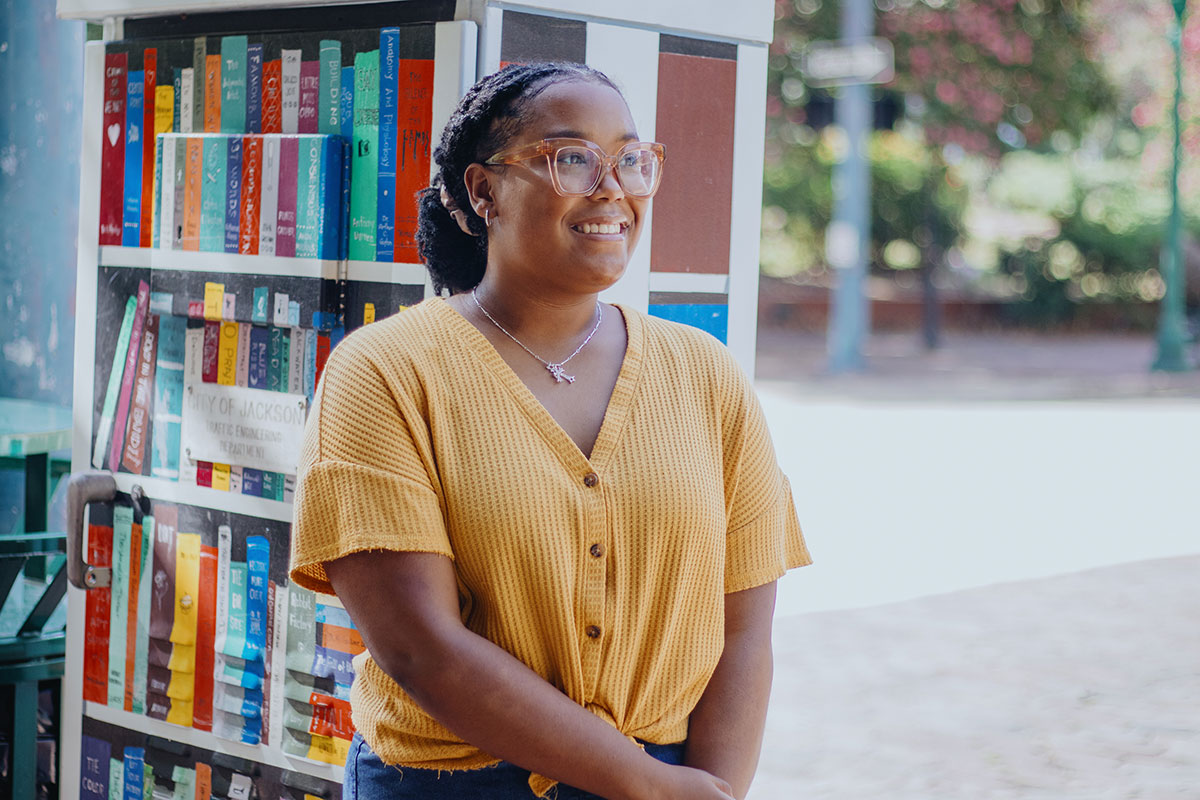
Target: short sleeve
(763, 539)
(366, 479)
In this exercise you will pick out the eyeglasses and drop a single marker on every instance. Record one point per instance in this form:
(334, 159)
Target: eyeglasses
(577, 166)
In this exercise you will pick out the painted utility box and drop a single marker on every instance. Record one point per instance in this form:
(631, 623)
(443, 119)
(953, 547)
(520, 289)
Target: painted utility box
(246, 200)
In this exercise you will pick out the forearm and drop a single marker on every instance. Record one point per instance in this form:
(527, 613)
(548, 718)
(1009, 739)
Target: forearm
(488, 698)
(725, 730)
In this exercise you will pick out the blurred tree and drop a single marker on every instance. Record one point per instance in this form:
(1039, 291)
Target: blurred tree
(978, 77)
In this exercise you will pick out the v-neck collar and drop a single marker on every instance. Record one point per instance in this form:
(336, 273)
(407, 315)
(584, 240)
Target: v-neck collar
(619, 403)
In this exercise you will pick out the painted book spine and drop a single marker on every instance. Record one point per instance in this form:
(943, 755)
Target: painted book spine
(389, 50)
(346, 105)
(290, 94)
(95, 763)
(199, 68)
(168, 397)
(212, 93)
(254, 87)
(274, 358)
(243, 353)
(208, 363)
(310, 362)
(135, 574)
(186, 96)
(330, 198)
(98, 617)
(227, 354)
(127, 376)
(135, 101)
(193, 193)
(310, 96)
(212, 197)
(259, 357)
(343, 235)
(119, 604)
(365, 169)
(296, 362)
(202, 710)
(162, 606)
(330, 61)
(166, 195)
(149, 111)
(134, 457)
(233, 194)
(415, 119)
(233, 84)
(112, 154)
(248, 232)
(269, 202)
(181, 155)
(308, 185)
(285, 226)
(258, 557)
(272, 109)
(142, 626)
(113, 391)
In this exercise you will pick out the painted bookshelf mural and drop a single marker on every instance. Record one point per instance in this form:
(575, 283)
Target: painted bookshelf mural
(249, 181)
(243, 191)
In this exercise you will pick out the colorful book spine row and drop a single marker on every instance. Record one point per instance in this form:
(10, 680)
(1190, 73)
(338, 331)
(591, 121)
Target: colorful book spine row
(321, 645)
(158, 353)
(253, 195)
(188, 635)
(374, 88)
(109, 772)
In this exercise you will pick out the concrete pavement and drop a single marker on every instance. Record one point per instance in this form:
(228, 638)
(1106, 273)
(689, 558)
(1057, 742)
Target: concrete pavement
(1006, 582)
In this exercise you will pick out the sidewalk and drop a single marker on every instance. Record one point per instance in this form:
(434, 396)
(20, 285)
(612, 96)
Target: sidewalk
(1080, 687)
(1057, 476)
(976, 367)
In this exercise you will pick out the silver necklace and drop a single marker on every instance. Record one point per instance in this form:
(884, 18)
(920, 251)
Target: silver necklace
(555, 369)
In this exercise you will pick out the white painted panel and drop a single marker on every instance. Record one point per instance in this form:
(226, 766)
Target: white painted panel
(630, 57)
(71, 731)
(689, 282)
(746, 220)
(490, 20)
(453, 72)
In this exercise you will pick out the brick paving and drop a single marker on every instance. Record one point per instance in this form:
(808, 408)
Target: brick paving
(1078, 687)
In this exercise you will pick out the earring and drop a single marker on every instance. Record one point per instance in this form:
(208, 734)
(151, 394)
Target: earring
(487, 218)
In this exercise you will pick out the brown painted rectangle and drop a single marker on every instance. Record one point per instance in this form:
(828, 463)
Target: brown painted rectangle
(526, 38)
(695, 121)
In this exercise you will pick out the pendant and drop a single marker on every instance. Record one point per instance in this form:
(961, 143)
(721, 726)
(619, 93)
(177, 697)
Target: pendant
(559, 375)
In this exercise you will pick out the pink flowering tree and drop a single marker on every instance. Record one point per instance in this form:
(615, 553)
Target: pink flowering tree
(977, 77)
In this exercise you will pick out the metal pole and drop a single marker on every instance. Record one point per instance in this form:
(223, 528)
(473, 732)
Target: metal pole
(1172, 333)
(847, 241)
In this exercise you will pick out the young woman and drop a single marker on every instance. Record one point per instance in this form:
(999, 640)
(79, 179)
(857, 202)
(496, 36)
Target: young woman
(556, 523)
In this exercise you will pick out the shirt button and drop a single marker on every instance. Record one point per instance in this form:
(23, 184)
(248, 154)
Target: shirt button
(593, 631)
(596, 550)
(591, 479)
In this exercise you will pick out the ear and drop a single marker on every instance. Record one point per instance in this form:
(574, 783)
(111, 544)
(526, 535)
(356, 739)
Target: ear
(480, 188)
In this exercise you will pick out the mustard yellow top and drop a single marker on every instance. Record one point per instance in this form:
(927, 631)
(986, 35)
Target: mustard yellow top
(605, 575)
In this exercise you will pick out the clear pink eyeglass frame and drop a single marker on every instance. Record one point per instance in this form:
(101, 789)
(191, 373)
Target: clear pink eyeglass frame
(550, 147)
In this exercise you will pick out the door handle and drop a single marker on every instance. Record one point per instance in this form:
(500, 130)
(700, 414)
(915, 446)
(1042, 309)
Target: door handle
(84, 488)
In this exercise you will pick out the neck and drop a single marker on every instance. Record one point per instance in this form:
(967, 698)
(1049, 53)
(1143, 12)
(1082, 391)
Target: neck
(536, 318)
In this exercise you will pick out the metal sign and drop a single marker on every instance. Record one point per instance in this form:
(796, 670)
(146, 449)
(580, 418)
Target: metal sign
(840, 63)
(245, 427)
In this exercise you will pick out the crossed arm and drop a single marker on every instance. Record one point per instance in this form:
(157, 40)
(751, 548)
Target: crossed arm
(406, 607)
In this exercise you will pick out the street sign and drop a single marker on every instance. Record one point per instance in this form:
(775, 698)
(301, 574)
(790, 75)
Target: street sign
(840, 63)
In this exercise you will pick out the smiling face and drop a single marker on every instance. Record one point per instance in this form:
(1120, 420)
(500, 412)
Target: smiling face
(570, 244)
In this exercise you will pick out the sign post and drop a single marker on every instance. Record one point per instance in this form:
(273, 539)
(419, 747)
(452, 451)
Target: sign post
(851, 64)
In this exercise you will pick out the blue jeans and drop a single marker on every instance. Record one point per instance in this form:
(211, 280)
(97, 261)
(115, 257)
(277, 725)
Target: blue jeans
(368, 778)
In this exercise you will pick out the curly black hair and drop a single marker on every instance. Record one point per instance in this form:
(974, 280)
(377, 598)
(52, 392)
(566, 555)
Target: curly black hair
(489, 115)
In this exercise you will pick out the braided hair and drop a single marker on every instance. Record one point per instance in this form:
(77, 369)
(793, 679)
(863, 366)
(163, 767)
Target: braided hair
(489, 116)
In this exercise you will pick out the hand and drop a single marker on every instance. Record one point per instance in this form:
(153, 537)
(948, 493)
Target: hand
(689, 783)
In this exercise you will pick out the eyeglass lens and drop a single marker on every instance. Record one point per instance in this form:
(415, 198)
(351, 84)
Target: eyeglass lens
(578, 170)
